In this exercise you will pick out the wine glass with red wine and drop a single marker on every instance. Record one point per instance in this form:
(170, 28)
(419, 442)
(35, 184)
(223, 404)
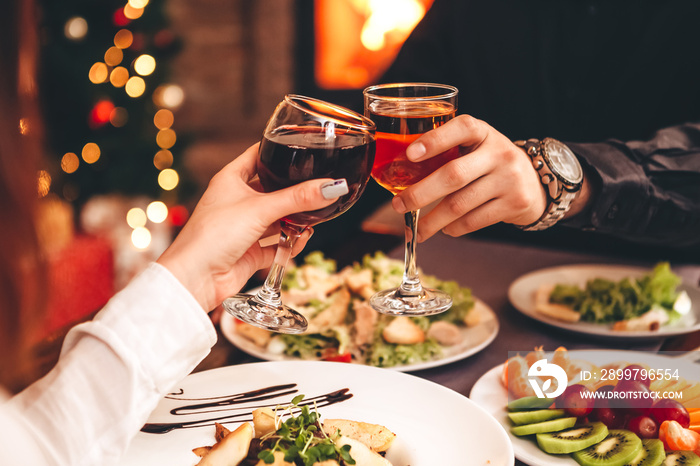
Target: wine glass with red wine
(402, 113)
(305, 139)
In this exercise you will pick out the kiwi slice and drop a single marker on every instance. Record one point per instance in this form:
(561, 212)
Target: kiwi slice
(530, 417)
(651, 454)
(678, 457)
(554, 425)
(574, 439)
(530, 402)
(617, 449)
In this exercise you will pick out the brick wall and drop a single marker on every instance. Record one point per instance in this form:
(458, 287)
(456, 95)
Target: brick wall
(235, 65)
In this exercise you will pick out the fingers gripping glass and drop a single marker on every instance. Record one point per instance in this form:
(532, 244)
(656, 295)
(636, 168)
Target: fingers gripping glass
(402, 113)
(305, 139)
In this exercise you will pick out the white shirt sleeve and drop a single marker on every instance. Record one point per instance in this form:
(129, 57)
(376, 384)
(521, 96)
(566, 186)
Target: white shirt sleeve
(111, 374)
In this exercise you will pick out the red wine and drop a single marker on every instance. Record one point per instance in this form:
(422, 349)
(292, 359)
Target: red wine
(292, 154)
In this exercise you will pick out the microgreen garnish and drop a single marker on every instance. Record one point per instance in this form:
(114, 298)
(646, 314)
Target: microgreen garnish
(301, 438)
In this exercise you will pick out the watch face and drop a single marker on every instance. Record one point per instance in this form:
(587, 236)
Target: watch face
(563, 162)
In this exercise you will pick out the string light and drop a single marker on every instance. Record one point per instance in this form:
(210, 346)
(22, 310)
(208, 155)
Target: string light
(91, 152)
(166, 138)
(168, 179)
(98, 73)
(163, 159)
(138, 4)
(123, 39)
(114, 56)
(43, 183)
(135, 86)
(145, 65)
(119, 76)
(23, 126)
(76, 28)
(136, 217)
(141, 237)
(169, 96)
(157, 212)
(118, 117)
(163, 119)
(165, 97)
(132, 13)
(70, 162)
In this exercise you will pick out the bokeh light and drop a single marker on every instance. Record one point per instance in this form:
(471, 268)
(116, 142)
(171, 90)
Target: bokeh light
(141, 237)
(76, 28)
(123, 39)
(163, 119)
(136, 217)
(114, 56)
(163, 159)
(119, 117)
(178, 215)
(145, 65)
(166, 138)
(168, 179)
(119, 76)
(100, 113)
(138, 4)
(43, 182)
(98, 73)
(91, 152)
(168, 96)
(135, 86)
(70, 162)
(23, 126)
(157, 212)
(131, 12)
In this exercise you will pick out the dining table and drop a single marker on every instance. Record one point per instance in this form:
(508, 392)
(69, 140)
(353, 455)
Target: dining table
(488, 267)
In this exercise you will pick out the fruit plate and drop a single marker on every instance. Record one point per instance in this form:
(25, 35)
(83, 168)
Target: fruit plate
(433, 424)
(489, 393)
(521, 295)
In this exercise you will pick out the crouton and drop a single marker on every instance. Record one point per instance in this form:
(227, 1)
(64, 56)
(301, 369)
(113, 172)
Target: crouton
(403, 331)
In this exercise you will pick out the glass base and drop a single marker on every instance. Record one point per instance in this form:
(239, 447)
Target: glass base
(251, 310)
(393, 302)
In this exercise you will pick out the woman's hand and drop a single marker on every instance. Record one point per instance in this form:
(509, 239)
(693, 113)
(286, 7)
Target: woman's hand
(217, 251)
(493, 181)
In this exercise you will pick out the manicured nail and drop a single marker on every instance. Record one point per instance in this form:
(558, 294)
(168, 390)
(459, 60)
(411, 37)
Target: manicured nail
(398, 205)
(334, 189)
(415, 151)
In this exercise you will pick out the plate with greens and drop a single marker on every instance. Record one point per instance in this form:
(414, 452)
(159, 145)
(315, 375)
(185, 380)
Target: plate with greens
(432, 424)
(343, 327)
(611, 301)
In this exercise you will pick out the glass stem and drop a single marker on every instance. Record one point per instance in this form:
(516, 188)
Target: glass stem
(271, 291)
(410, 285)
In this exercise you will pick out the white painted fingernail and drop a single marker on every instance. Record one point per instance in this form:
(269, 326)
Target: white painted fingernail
(334, 189)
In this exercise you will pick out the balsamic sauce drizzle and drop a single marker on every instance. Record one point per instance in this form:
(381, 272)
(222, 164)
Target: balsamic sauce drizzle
(226, 404)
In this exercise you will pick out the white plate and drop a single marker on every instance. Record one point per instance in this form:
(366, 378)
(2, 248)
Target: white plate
(489, 393)
(433, 424)
(521, 294)
(474, 339)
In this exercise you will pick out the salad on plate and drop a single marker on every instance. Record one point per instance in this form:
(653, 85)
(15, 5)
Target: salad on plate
(343, 327)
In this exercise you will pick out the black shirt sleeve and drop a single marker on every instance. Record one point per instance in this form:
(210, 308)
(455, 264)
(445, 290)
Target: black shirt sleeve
(645, 191)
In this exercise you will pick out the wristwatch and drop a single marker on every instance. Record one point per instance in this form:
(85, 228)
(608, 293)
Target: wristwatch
(561, 174)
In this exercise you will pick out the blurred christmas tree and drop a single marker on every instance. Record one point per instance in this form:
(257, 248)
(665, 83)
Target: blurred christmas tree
(108, 102)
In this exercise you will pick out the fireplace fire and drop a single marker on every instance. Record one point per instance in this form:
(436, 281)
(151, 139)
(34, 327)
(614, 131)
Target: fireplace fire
(356, 40)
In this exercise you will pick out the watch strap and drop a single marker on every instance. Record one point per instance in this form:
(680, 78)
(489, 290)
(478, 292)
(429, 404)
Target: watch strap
(556, 207)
